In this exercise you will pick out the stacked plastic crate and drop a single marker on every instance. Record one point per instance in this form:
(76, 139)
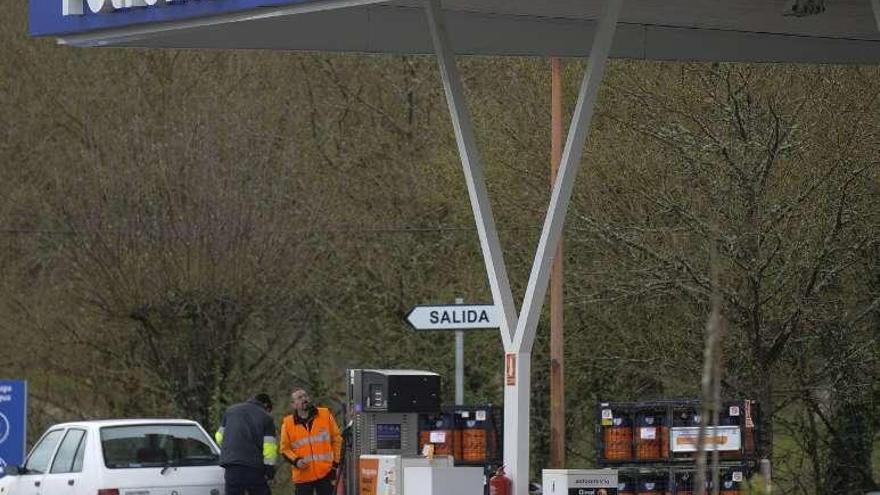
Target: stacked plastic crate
(471, 434)
(653, 445)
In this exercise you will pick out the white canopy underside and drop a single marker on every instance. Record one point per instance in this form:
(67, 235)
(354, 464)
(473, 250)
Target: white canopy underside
(700, 30)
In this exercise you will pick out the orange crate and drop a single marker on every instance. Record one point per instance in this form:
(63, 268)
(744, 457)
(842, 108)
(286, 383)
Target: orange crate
(451, 444)
(474, 446)
(618, 443)
(651, 435)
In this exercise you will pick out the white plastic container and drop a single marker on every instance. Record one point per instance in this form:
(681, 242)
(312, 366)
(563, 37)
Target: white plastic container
(443, 481)
(383, 474)
(579, 481)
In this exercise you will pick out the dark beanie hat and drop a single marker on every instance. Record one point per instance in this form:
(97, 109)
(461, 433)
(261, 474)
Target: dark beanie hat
(265, 400)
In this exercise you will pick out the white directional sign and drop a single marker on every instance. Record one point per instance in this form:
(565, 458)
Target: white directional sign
(454, 317)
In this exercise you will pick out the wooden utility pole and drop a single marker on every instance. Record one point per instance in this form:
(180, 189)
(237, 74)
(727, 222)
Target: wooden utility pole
(557, 382)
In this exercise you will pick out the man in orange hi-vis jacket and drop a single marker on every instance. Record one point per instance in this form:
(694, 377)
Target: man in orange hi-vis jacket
(312, 443)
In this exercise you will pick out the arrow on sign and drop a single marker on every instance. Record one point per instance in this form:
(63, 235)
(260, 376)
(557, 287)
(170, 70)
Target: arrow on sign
(453, 317)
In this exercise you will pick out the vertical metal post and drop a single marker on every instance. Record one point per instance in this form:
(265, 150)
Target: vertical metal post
(459, 367)
(459, 362)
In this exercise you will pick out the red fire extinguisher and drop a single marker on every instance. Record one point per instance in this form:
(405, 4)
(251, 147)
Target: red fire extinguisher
(499, 484)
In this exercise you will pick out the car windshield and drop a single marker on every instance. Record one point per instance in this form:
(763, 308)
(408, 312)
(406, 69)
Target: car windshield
(156, 445)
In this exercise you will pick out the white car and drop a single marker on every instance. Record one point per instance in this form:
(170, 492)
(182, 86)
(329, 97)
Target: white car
(120, 457)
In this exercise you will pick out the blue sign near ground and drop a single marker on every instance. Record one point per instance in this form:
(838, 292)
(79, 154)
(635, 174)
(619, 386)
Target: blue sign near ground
(13, 422)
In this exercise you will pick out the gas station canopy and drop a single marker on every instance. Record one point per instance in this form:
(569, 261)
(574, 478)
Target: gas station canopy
(699, 30)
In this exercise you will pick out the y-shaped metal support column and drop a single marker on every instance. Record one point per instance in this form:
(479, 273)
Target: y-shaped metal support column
(518, 343)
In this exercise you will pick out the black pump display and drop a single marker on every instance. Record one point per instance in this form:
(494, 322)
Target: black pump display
(400, 391)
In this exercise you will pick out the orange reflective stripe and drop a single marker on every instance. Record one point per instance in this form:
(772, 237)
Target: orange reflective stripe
(324, 436)
(318, 457)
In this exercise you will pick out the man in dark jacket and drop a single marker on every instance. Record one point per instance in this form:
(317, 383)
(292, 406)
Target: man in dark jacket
(248, 446)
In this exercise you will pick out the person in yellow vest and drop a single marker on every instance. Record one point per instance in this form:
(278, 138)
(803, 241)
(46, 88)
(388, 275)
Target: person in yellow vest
(311, 442)
(248, 446)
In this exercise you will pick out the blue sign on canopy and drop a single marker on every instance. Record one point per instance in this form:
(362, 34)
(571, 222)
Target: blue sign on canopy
(75, 16)
(13, 422)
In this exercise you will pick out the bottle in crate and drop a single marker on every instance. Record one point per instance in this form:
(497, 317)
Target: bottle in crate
(473, 440)
(477, 430)
(651, 434)
(684, 483)
(686, 418)
(730, 422)
(731, 480)
(626, 484)
(439, 430)
(617, 433)
(654, 484)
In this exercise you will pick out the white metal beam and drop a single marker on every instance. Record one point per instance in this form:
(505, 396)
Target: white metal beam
(517, 417)
(568, 169)
(473, 172)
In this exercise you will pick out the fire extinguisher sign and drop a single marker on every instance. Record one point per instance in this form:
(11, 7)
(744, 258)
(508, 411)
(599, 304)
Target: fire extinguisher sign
(510, 369)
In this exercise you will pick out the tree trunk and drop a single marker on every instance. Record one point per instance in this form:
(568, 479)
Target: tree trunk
(764, 421)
